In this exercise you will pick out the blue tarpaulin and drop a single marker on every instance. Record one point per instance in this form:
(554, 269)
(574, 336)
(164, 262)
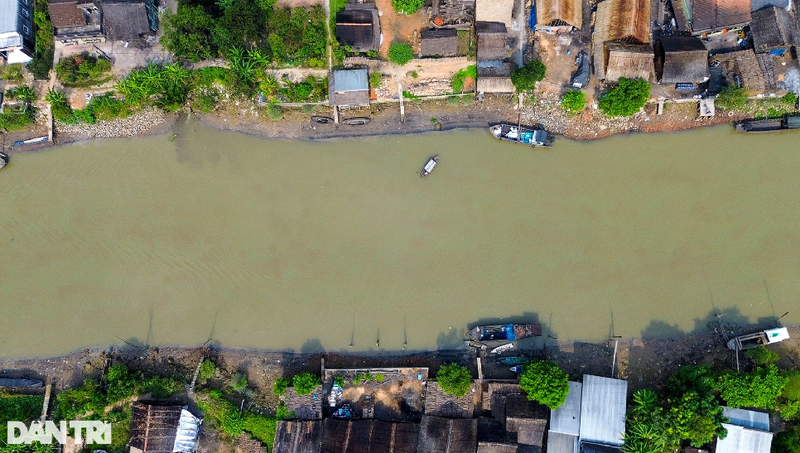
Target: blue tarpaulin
(777, 52)
(532, 20)
(510, 335)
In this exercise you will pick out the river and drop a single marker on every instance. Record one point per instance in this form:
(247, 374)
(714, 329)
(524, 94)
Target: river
(294, 245)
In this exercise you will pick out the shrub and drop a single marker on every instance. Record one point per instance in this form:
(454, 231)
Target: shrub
(41, 64)
(339, 380)
(59, 107)
(13, 73)
(407, 6)
(207, 371)
(400, 53)
(305, 383)
(762, 356)
(205, 101)
(457, 82)
(379, 377)
(790, 99)
(83, 69)
(545, 382)
(454, 379)
(731, 98)
(23, 93)
(239, 382)
(573, 101)
(626, 98)
(228, 419)
(792, 388)
(283, 413)
(525, 78)
(375, 79)
(787, 441)
(759, 388)
(16, 121)
(20, 407)
(279, 388)
(274, 112)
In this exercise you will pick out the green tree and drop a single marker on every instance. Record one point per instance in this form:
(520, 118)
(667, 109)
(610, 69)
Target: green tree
(281, 384)
(187, 34)
(305, 383)
(545, 382)
(761, 355)
(407, 6)
(573, 101)
(731, 98)
(400, 53)
(525, 78)
(460, 77)
(454, 379)
(375, 79)
(207, 371)
(790, 99)
(646, 425)
(787, 441)
(759, 388)
(239, 382)
(626, 98)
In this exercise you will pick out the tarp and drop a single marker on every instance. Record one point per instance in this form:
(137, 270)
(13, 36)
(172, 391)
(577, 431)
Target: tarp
(532, 20)
(777, 52)
(581, 76)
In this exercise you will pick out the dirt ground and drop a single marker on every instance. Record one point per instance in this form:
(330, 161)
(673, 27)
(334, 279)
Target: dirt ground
(399, 27)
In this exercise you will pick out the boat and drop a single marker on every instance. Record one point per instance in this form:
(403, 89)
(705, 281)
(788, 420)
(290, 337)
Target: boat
(765, 337)
(509, 332)
(769, 125)
(428, 168)
(512, 360)
(475, 344)
(3, 159)
(517, 369)
(537, 138)
(502, 348)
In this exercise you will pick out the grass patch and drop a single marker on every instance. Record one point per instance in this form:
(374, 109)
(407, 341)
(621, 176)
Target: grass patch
(89, 83)
(466, 43)
(457, 82)
(228, 419)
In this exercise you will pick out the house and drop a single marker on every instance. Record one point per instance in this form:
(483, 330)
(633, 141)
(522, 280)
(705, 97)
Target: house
(491, 40)
(439, 42)
(710, 16)
(773, 30)
(494, 11)
(632, 61)
(602, 419)
(440, 404)
(76, 22)
(516, 424)
(748, 432)
(348, 88)
(358, 27)
(125, 21)
(565, 423)
(163, 429)
(555, 15)
(495, 77)
(300, 436)
(742, 64)
(16, 30)
(443, 435)
(354, 436)
(626, 21)
(681, 60)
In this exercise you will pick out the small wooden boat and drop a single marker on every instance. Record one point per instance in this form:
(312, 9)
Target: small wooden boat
(428, 168)
(759, 339)
(475, 344)
(517, 369)
(508, 332)
(502, 348)
(512, 360)
(3, 159)
(537, 138)
(769, 125)
(356, 121)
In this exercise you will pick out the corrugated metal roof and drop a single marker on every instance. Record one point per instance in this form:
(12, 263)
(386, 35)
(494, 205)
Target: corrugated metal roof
(346, 80)
(561, 443)
(744, 440)
(567, 418)
(746, 418)
(603, 410)
(8, 16)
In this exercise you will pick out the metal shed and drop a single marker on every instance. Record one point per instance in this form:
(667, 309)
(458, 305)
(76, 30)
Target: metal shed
(561, 443)
(746, 418)
(567, 418)
(744, 440)
(603, 402)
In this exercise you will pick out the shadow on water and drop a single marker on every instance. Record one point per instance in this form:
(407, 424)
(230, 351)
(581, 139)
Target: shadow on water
(312, 346)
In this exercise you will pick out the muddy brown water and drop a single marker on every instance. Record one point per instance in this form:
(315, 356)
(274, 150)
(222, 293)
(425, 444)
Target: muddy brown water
(307, 245)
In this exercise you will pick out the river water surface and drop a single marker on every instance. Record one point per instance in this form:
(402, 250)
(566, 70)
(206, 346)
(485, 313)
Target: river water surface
(298, 245)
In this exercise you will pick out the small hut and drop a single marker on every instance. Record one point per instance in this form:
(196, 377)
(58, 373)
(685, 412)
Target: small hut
(625, 21)
(709, 16)
(76, 20)
(681, 60)
(340, 436)
(442, 435)
(773, 30)
(300, 436)
(441, 404)
(495, 77)
(494, 11)
(440, 42)
(358, 27)
(632, 61)
(555, 15)
(348, 88)
(491, 40)
(125, 21)
(743, 64)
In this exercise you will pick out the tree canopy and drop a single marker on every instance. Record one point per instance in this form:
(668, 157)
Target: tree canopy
(626, 98)
(454, 379)
(545, 382)
(305, 383)
(400, 53)
(759, 389)
(407, 6)
(573, 101)
(525, 78)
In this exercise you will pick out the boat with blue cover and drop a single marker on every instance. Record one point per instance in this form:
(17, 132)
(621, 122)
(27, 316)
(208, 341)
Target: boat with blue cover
(505, 332)
(537, 138)
(515, 360)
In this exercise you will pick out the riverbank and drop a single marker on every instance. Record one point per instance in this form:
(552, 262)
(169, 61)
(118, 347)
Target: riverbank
(644, 362)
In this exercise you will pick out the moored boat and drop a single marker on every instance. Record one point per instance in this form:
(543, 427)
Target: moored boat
(537, 138)
(512, 360)
(508, 332)
(502, 348)
(3, 159)
(762, 338)
(769, 125)
(428, 168)
(517, 369)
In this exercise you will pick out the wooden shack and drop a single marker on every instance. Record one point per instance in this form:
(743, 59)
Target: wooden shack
(358, 26)
(681, 60)
(625, 21)
(554, 15)
(631, 61)
(440, 42)
(773, 29)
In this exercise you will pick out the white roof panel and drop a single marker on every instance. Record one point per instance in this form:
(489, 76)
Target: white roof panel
(603, 403)
(567, 418)
(776, 335)
(744, 440)
(8, 16)
(561, 443)
(746, 418)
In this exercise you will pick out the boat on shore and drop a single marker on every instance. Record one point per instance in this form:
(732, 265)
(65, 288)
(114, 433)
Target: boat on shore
(513, 360)
(786, 123)
(428, 168)
(765, 337)
(3, 159)
(517, 369)
(507, 332)
(523, 135)
(502, 348)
